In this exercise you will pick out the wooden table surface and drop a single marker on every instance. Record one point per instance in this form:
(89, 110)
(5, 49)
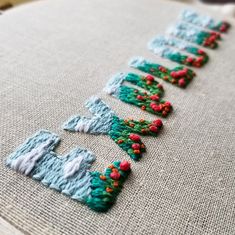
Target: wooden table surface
(13, 2)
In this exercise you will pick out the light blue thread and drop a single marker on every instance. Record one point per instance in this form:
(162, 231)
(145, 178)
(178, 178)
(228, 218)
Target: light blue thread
(25, 157)
(69, 174)
(135, 62)
(100, 123)
(160, 45)
(97, 107)
(184, 31)
(113, 85)
(193, 17)
(49, 168)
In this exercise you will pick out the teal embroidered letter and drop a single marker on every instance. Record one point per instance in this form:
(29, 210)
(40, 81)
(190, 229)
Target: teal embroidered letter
(149, 101)
(178, 76)
(164, 46)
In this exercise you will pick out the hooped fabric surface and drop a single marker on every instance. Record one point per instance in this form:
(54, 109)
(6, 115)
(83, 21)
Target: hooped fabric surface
(54, 56)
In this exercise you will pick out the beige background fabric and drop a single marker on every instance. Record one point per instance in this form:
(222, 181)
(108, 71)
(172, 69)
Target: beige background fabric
(56, 54)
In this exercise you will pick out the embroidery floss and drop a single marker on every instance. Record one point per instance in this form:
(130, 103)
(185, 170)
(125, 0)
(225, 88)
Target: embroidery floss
(125, 133)
(69, 174)
(193, 17)
(194, 35)
(149, 102)
(161, 45)
(179, 76)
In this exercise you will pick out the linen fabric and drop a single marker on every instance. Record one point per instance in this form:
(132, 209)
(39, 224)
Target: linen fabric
(54, 55)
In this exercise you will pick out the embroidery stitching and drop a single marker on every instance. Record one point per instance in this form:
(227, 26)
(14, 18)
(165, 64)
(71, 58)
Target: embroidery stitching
(193, 17)
(179, 76)
(149, 102)
(161, 45)
(123, 132)
(192, 34)
(69, 174)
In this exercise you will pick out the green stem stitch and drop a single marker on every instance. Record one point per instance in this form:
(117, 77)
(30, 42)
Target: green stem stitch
(149, 101)
(194, 35)
(122, 133)
(106, 187)
(179, 76)
(162, 45)
(222, 27)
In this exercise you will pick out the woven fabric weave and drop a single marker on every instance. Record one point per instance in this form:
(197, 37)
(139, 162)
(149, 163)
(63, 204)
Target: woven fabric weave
(56, 54)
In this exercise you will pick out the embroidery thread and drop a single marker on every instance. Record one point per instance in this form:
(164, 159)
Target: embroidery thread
(193, 17)
(149, 102)
(195, 35)
(178, 76)
(125, 133)
(69, 174)
(162, 45)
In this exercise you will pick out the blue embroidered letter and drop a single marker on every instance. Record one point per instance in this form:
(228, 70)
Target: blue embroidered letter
(121, 131)
(69, 174)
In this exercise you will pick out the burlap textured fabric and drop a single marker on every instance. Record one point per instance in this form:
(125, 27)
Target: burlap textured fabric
(56, 54)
